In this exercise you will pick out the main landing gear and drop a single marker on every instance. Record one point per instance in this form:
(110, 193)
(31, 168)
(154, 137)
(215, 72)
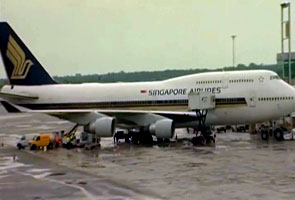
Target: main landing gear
(135, 137)
(203, 133)
(278, 133)
(141, 136)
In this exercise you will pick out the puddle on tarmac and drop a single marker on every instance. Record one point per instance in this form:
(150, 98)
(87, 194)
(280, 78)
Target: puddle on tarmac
(240, 166)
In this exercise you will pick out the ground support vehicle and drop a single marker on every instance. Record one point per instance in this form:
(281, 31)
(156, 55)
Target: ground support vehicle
(23, 141)
(41, 141)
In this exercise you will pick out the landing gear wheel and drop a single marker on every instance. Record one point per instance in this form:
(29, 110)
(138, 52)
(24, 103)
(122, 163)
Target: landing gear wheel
(163, 140)
(200, 140)
(134, 139)
(166, 140)
(279, 134)
(210, 139)
(264, 135)
(146, 138)
(160, 140)
(127, 139)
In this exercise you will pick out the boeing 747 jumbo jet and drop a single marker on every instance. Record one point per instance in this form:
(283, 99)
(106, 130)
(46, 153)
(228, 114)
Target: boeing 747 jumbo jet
(154, 108)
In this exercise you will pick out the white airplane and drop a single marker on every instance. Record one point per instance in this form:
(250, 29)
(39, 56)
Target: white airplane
(156, 108)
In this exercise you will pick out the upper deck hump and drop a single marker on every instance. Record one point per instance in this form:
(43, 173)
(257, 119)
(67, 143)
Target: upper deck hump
(221, 75)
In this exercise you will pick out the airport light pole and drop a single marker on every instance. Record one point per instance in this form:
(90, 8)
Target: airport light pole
(233, 38)
(286, 35)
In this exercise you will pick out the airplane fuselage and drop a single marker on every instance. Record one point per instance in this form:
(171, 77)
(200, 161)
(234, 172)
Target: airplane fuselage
(241, 96)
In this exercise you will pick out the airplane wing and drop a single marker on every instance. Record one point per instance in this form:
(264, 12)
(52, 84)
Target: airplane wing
(125, 118)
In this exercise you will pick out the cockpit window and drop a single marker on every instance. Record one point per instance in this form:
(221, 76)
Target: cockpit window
(274, 77)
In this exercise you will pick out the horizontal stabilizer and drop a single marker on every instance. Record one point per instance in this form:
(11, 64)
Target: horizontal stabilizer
(10, 108)
(17, 96)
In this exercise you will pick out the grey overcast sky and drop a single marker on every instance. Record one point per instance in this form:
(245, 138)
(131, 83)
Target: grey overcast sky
(100, 36)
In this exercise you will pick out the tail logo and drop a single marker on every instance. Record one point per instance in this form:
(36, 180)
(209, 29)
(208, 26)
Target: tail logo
(17, 56)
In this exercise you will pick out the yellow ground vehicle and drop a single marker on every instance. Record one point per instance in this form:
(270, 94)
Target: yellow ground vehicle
(41, 141)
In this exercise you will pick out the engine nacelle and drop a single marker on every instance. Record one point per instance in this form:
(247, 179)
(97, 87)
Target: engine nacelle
(102, 127)
(163, 128)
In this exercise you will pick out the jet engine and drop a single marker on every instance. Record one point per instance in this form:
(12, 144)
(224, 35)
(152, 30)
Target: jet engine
(163, 128)
(102, 127)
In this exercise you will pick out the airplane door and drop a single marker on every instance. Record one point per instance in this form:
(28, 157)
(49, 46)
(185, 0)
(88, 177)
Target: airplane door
(252, 99)
(225, 81)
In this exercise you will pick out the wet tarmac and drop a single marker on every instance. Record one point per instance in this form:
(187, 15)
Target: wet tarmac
(239, 166)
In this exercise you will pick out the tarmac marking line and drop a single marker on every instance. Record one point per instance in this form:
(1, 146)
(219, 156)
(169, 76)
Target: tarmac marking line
(86, 193)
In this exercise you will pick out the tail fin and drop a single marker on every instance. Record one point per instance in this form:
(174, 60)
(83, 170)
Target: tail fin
(22, 68)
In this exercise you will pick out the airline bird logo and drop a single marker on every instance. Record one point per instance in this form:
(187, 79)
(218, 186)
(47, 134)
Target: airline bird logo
(17, 56)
